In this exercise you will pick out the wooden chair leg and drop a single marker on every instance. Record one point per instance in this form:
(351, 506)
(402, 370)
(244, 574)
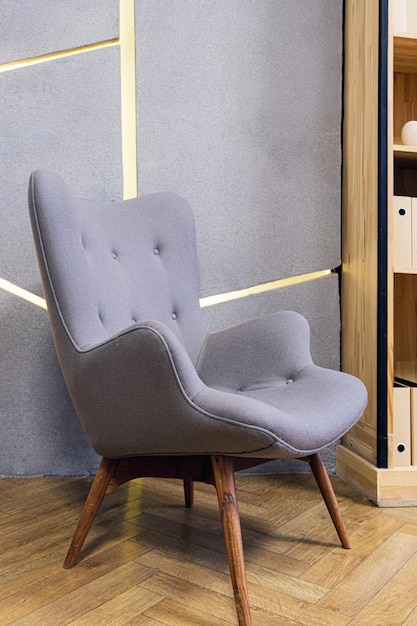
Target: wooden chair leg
(322, 478)
(95, 497)
(189, 493)
(224, 480)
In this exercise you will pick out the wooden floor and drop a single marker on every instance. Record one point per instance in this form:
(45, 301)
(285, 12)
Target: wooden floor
(148, 561)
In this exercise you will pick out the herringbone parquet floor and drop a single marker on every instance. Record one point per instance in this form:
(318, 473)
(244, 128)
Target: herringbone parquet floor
(150, 562)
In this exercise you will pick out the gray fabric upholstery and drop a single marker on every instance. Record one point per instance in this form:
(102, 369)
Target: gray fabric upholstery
(268, 359)
(121, 283)
(114, 264)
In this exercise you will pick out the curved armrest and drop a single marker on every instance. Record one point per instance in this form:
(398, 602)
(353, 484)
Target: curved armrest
(140, 374)
(270, 347)
(138, 393)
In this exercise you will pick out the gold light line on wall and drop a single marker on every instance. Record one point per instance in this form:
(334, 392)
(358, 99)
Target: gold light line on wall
(14, 65)
(22, 293)
(128, 98)
(204, 302)
(263, 288)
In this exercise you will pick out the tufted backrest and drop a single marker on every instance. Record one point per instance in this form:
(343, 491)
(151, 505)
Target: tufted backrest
(107, 266)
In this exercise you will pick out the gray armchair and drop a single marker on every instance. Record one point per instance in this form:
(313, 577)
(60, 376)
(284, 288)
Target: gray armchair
(156, 393)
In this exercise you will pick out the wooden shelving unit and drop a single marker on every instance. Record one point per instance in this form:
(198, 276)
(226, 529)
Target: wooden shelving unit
(404, 108)
(379, 299)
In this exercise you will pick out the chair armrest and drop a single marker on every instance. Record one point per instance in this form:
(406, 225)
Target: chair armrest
(138, 393)
(258, 351)
(141, 374)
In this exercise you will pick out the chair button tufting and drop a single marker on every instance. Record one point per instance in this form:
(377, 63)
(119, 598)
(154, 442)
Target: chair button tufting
(174, 316)
(156, 251)
(290, 381)
(114, 255)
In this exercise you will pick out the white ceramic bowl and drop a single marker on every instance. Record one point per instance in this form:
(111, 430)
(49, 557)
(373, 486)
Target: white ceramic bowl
(409, 133)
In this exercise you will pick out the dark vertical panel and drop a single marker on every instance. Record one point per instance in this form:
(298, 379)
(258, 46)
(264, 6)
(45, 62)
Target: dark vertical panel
(382, 358)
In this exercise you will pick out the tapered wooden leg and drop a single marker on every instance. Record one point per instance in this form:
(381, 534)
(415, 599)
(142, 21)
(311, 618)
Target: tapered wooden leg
(95, 497)
(322, 478)
(189, 493)
(224, 480)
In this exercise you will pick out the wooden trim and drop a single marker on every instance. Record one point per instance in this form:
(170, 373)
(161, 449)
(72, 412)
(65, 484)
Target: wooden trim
(392, 487)
(360, 213)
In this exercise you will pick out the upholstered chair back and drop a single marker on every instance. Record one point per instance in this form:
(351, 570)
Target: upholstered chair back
(103, 274)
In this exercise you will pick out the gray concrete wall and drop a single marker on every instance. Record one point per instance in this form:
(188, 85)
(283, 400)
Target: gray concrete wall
(63, 114)
(31, 28)
(238, 109)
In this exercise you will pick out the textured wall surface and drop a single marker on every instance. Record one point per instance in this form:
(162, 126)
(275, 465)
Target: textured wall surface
(65, 115)
(238, 110)
(40, 432)
(30, 28)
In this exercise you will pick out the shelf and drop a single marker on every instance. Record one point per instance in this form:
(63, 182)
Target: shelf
(411, 381)
(406, 371)
(405, 53)
(370, 457)
(405, 325)
(405, 156)
(400, 149)
(405, 94)
(405, 270)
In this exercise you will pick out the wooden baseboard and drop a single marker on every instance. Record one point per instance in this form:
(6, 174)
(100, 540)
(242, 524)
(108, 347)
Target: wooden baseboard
(385, 487)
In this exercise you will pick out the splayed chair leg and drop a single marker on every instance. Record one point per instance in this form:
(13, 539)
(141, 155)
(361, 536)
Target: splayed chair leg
(105, 473)
(323, 481)
(189, 493)
(224, 480)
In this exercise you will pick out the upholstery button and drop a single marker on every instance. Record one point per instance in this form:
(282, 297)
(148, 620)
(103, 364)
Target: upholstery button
(174, 316)
(290, 381)
(156, 251)
(114, 255)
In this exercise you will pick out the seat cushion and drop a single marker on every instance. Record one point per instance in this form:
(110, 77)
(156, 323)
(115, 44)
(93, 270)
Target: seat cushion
(314, 409)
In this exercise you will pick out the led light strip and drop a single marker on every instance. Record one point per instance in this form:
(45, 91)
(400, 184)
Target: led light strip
(263, 288)
(22, 293)
(128, 98)
(14, 65)
(204, 302)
